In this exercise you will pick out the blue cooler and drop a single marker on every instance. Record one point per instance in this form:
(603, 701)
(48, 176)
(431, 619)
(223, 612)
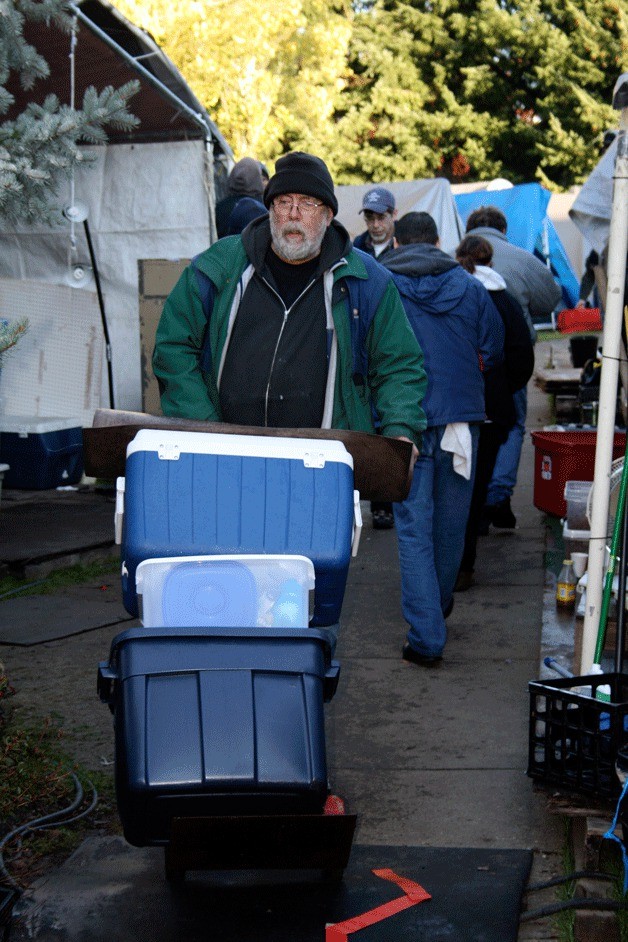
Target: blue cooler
(222, 721)
(42, 453)
(203, 494)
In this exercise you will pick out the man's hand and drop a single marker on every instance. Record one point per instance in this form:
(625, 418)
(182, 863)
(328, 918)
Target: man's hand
(413, 456)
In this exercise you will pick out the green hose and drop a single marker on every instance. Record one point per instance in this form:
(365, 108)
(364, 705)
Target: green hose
(610, 571)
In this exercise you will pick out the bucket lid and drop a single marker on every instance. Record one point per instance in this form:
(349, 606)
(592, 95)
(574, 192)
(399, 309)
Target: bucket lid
(223, 596)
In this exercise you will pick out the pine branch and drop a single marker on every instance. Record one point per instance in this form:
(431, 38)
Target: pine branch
(40, 147)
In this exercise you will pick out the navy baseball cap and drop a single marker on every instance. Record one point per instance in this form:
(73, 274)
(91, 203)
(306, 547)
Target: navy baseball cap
(378, 200)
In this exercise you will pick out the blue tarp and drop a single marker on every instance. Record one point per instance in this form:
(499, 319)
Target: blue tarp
(529, 226)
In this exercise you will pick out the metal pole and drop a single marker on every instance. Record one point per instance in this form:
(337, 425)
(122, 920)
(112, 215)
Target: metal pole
(103, 316)
(616, 268)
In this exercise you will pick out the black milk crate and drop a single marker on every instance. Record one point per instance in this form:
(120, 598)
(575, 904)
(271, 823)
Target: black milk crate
(574, 737)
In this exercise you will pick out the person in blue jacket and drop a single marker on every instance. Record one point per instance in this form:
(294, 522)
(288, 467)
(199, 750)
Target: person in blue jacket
(461, 334)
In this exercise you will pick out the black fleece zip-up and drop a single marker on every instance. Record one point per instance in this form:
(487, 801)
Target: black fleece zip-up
(275, 369)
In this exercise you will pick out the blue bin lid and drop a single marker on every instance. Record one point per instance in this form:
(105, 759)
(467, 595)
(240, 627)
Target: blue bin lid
(221, 595)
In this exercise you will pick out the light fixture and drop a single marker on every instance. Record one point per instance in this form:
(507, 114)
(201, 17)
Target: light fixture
(76, 211)
(80, 274)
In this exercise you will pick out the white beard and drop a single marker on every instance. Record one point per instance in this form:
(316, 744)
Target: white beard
(299, 251)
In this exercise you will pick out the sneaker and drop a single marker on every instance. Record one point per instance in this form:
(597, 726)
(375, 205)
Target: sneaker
(484, 523)
(383, 520)
(501, 515)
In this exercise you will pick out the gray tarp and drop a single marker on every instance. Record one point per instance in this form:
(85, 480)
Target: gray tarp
(591, 210)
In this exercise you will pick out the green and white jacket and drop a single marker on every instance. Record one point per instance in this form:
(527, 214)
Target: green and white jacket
(374, 362)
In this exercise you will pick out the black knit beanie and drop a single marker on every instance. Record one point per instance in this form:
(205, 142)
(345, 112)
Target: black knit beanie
(302, 173)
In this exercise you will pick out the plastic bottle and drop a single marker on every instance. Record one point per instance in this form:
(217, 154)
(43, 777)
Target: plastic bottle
(566, 586)
(289, 610)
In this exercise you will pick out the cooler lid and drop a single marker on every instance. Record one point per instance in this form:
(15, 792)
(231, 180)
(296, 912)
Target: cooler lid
(170, 445)
(36, 425)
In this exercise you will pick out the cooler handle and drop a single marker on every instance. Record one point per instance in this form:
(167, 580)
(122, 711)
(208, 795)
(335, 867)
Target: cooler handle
(105, 682)
(330, 681)
(119, 511)
(357, 523)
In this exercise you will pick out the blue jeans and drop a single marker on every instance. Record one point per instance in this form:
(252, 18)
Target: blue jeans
(505, 471)
(431, 524)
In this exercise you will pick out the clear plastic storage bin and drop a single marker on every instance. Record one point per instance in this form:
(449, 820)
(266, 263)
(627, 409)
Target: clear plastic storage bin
(225, 591)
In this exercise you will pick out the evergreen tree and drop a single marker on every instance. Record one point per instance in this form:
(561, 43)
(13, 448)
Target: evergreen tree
(478, 88)
(267, 73)
(41, 145)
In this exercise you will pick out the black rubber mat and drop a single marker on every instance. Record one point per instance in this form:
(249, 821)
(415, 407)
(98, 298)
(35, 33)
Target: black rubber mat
(108, 891)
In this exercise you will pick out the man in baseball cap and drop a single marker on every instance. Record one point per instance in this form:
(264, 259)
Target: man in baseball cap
(380, 213)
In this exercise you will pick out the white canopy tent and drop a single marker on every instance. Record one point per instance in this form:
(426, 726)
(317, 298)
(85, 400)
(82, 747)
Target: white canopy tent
(149, 194)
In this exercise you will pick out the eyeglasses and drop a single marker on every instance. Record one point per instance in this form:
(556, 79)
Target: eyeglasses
(284, 205)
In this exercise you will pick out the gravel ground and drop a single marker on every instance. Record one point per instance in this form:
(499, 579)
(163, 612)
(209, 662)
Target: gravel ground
(58, 679)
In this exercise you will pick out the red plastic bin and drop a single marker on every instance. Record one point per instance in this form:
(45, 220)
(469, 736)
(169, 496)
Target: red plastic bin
(565, 456)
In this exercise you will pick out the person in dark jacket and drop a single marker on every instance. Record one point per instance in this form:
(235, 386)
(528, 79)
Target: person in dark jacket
(245, 179)
(460, 333)
(475, 255)
(535, 288)
(245, 211)
(380, 213)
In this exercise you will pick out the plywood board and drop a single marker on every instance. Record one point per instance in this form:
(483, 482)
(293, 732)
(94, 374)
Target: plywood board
(157, 277)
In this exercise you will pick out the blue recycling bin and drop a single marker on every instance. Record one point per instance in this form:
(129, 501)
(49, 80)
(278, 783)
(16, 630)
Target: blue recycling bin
(222, 721)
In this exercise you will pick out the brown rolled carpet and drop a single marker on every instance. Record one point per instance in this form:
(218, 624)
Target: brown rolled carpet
(381, 466)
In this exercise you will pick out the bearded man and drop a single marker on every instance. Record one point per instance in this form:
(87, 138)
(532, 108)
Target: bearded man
(288, 326)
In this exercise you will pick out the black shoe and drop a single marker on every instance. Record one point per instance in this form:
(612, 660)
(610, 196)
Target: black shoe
(464, 581)
(383, 520)
(501, 515)
(423, 660)
(448, 608)
(484, 524)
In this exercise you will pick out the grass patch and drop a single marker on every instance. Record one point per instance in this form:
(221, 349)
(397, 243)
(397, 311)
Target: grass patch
(60, 578)
(36, 780)
(549, 335)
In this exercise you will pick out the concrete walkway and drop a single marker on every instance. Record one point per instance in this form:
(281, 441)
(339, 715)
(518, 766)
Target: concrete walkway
(431, 758)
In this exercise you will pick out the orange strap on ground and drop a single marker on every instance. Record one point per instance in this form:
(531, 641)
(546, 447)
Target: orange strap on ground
(413, 894)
